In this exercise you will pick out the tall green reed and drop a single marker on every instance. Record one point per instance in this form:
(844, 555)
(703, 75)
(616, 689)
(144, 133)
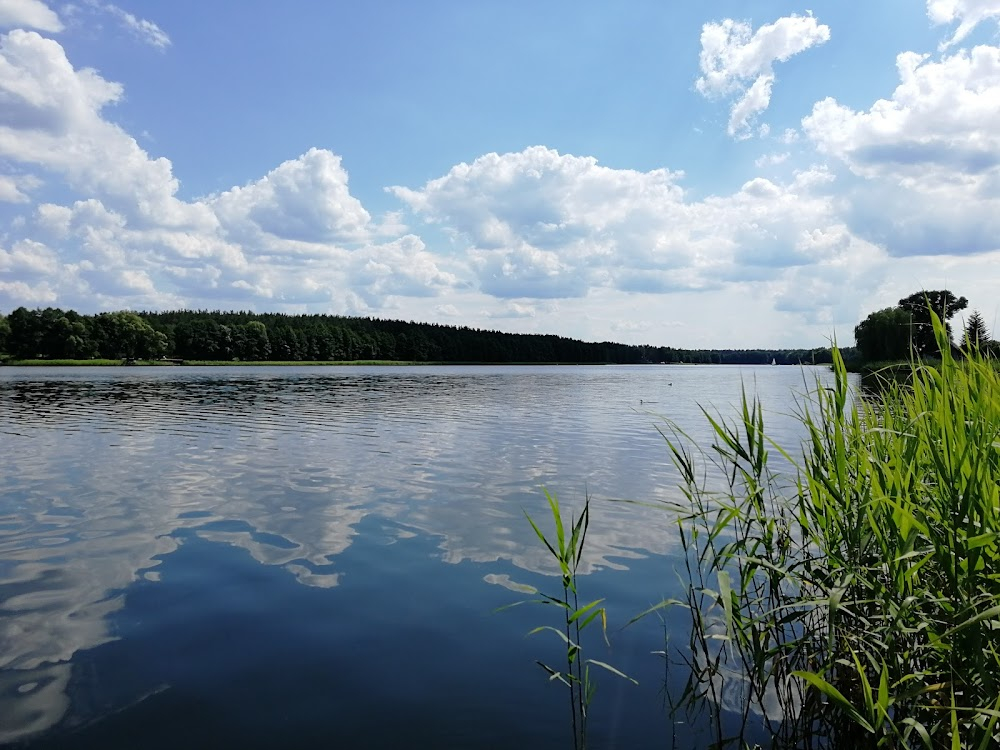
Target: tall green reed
(566, 548)
(853, 602)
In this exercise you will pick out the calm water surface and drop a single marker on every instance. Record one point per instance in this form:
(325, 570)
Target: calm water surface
(291, 557)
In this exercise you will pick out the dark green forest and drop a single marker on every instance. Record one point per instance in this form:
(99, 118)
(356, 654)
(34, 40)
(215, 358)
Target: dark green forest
(52, 333)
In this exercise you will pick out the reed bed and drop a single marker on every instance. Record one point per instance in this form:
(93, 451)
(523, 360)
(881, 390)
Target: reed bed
(853, 602)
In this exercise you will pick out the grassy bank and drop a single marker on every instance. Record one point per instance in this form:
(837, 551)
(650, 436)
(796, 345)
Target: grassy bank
(310, 363)
(865, 368)
(63, 362)
(894, 368)
(876, 376)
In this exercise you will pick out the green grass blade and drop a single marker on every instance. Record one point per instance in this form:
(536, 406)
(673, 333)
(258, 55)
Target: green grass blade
(611, 669)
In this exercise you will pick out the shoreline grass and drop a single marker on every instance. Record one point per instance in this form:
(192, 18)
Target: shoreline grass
(857, 606)
(290, 363)
(61, 363)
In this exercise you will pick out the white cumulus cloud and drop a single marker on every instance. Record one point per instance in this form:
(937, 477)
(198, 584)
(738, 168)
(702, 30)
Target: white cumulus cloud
(737, 61)
(293, 239)
(929, 157)
(305, 199)
(16, 188)
(51, 117)
(512, 310)
(968, 14)
(32, 14)
(539, 225)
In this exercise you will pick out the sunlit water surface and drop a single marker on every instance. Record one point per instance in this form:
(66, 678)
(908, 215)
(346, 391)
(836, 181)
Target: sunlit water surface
(265, 557)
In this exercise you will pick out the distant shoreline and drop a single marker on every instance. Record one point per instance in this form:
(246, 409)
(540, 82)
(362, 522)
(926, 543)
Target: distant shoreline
(197, 363)
(267, 363)
(338, 363)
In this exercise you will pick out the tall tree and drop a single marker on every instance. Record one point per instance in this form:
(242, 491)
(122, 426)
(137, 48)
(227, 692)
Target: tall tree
(4, 332)
(976, 334)
(124, 334)
(919, 305)
(25, 337)
(255, 343)
(885, 335)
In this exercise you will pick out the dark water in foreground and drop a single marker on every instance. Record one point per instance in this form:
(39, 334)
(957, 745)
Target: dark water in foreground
(299, 557)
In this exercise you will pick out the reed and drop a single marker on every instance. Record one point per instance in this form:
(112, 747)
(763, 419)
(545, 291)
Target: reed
(854, 601)
(566, 548)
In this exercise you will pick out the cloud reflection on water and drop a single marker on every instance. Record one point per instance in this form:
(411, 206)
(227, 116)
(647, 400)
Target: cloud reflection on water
(103, 469)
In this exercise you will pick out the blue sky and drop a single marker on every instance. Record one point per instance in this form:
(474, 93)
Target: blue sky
(703, 174)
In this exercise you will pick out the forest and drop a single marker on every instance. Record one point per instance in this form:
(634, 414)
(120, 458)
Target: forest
(203, 335)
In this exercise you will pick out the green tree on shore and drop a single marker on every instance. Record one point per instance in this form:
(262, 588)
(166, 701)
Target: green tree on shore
(4, 333)
(48, 333)
(127, 336)
(976, 334)
(884, 335)
(897, 333)
(255, 345)
(944, 304)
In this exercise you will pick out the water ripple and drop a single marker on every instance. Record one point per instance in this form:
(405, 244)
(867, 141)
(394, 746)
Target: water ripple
(106, 472)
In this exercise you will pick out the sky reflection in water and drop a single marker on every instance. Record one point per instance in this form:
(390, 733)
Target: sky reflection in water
(105, 473)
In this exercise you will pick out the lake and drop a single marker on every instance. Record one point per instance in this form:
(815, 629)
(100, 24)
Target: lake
(296, 556)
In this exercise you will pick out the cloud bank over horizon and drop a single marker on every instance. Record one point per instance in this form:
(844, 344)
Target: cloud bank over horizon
(870, 203)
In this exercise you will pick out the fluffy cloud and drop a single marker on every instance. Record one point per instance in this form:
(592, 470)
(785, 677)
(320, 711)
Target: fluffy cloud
(15, 188)
(102, 258)
(738, 61)
(399, 268)
(304, 199)
(929, 157)
(32, 14)
(541, 225)
(968, 13)
(295, 238)
(28, 259)
(51, 117)
(511, 310)
(772, 159)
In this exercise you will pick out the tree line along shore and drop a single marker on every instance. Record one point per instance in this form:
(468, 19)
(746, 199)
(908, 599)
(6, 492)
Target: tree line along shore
(53, 334)
(893, 334)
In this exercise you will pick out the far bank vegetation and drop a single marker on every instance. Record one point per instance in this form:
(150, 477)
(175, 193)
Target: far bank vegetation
(52, 333)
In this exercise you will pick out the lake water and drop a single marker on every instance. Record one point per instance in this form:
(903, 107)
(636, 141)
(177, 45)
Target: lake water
(289, 557)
